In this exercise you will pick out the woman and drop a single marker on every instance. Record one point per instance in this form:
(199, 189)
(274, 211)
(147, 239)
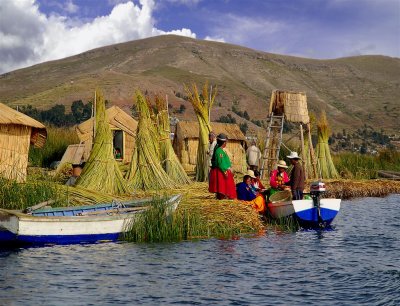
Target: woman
(246, 194)
(279, 178)
(221, 180)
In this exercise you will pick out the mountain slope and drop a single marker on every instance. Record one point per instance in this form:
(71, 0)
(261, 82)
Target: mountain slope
(354, 91)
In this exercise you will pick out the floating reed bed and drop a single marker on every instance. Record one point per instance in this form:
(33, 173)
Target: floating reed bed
(198, 216)
(346, 189)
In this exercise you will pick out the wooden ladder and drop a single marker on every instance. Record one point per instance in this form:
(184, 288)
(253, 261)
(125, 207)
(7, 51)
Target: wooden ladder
(272, 144)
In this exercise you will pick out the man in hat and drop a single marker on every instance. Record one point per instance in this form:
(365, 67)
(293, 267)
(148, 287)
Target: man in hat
(221, 180)
(212, 139)
(278, 178)
(297, 177)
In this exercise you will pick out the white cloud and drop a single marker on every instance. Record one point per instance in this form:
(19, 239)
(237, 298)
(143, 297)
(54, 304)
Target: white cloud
(243, 30)
(215, 38)
(70, 7)
(27, 36)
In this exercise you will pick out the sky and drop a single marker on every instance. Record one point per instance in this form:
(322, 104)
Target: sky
(35, 31)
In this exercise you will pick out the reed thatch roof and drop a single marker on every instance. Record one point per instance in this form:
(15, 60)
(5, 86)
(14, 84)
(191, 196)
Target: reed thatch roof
(116, 117)
(9, 116)
(293, 105)
(190, 129)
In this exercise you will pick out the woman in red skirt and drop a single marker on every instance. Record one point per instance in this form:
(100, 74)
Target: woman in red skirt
(221, 179)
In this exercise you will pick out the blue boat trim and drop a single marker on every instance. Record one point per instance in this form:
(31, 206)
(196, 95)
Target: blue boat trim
(67, 239)
(309, 218)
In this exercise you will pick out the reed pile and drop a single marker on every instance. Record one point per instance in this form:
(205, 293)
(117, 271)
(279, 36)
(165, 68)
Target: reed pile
(326, 168)
(101, 171)
(169, 160)
(146, 171)
(202, 107)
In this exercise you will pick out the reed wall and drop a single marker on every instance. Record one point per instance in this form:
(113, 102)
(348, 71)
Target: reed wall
(14, 149)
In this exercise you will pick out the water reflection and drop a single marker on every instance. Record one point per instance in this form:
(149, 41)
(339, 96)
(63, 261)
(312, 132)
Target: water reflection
(356, 263)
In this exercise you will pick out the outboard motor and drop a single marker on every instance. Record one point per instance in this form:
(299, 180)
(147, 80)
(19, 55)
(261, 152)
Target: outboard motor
(316, 190)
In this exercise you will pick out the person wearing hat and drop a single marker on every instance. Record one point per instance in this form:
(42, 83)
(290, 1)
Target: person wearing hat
(247, 196)
(297, 177)
(221, 180)
(212, 139)
(278, 178)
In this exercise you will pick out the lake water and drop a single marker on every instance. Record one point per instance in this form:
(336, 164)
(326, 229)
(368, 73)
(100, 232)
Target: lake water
(357, 263)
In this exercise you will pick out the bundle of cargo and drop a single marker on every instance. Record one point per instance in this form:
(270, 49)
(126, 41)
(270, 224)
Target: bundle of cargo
(325, 164)
(101, 171)
(146, 171)
(202, 106)
(169, 160)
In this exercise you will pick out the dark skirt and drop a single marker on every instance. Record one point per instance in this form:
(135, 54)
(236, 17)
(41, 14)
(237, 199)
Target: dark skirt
(222, 184)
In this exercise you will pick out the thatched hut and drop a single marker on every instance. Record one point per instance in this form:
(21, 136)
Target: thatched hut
(293, 105)
(123, 127)
(186, 140)
(17, 132)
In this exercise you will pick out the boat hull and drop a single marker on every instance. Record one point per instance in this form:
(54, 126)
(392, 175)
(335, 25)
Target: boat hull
(279, 210)
(309, 217)
(19, 228)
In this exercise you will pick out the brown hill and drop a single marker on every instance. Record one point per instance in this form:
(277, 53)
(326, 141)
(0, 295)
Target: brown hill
(354, 91)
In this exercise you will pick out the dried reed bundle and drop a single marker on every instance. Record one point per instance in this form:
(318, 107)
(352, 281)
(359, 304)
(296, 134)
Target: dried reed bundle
(145, 170)
(101, 171)
(325, 164)
(202, 106)
(169, 160)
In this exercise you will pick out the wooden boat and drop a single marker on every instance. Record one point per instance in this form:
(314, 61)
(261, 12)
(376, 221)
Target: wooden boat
(279, 210)
(81, 224)
(280, 204)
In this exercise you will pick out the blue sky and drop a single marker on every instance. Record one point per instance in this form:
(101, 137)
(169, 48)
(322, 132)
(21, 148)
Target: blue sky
(34, 31)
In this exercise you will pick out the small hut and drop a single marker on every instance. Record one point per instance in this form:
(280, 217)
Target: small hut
(17, 132)
(123, 127)
(293, 107)
(186, 140)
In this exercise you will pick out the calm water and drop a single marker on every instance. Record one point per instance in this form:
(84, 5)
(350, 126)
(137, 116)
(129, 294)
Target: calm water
(358, 263)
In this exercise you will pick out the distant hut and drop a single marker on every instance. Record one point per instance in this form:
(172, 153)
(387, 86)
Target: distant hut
(186, 140)
(123, 127)
(17, 132)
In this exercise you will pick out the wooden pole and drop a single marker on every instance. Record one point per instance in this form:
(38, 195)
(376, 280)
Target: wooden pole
(312, 154)
(303, 156)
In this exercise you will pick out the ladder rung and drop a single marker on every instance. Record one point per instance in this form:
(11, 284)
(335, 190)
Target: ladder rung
(275, 126)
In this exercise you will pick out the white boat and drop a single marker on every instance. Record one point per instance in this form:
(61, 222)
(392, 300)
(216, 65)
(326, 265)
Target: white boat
(82, 224)
(311, 215)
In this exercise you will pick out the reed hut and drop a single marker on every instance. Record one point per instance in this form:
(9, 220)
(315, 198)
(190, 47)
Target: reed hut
(293, 107)
(17, 132)
(186, 141)
(123, 127)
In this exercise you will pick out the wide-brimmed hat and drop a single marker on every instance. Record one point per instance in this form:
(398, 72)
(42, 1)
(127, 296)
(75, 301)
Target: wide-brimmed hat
(222, 137)
(282, 164)
(251, 173)
(293, 155)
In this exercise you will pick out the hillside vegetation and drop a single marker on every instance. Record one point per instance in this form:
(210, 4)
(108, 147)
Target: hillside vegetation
(354, 91)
